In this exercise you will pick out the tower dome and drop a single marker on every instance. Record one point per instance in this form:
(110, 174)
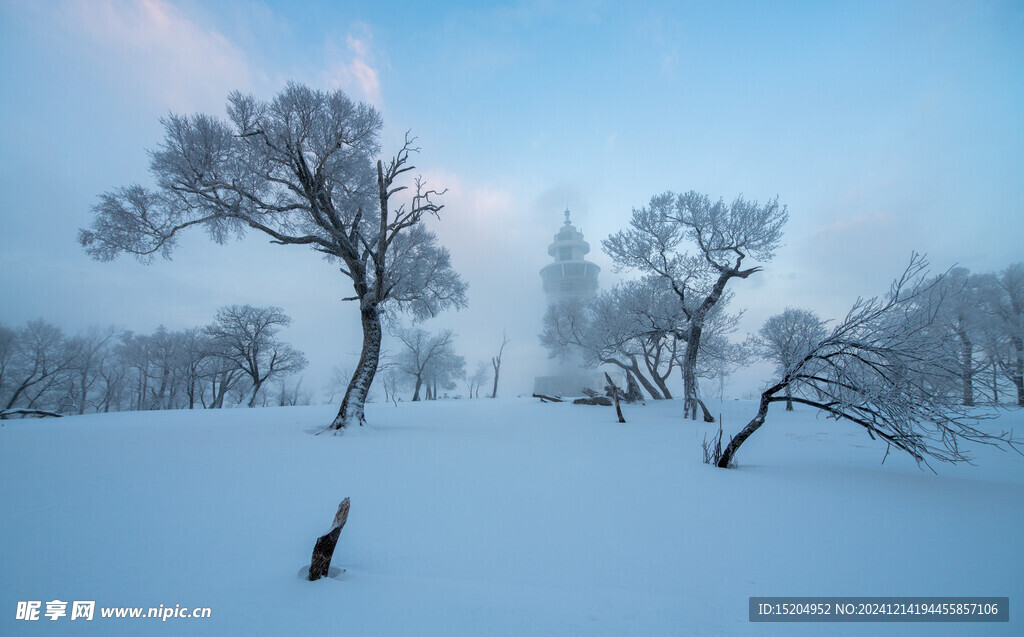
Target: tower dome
(570, 276)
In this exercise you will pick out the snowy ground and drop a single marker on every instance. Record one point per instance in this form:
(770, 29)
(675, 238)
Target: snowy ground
(483, 517)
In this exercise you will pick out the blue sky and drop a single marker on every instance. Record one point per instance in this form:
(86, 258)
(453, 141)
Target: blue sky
(885, 127)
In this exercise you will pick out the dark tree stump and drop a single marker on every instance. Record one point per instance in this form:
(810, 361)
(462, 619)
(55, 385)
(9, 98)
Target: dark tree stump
(320, 564)
(615, 397)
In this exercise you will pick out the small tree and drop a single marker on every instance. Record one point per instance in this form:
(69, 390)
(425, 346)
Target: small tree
(785, 339)
(423, 354)
(443, 372)
(37, 360)
(246, 336)
(886, 367)
(300, 170)
(496, 363)
(1008, 310)
(89, 352)
(478, 378)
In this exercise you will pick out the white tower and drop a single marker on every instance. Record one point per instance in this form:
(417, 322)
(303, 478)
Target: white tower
(569, 278)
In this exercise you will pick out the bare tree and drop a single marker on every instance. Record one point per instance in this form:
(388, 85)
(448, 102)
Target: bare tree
(246, 336)
(421, 353)
(724, 236)
(89, 352)
(478, 378)
(785, 339)
(300, 170)
(194, 362)
(37, 362)
(496, 363)
(338, 381)
(1008, 311)
(963, 315)
(8, 349)
(887, 368)
(291, 397)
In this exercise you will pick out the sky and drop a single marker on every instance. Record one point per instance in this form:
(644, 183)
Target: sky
(884, 127)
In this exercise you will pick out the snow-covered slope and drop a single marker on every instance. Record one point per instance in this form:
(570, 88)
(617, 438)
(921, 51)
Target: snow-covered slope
(490, 517)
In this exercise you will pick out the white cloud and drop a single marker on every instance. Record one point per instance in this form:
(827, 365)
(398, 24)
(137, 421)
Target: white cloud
(152, 44)
(352, 69)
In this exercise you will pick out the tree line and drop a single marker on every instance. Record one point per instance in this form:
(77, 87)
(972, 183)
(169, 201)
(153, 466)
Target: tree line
(236, 359)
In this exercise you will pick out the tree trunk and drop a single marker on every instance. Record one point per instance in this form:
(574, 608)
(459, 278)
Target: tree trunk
(789, 399)
(648, 386)
(496, 363)
(693, 339)
(966, 367)
(255, 392)
(665, 393)
(352, 406)
(84, 393)
(1018, 373)
(752, 426)
(416, 392)
(323, 551)
(995, 383)
(689, 374)
(704, 410)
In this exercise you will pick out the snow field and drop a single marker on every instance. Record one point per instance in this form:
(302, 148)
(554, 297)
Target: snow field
(491, 517)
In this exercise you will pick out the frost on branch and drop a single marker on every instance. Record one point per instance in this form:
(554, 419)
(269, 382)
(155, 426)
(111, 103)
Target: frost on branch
(888, 368)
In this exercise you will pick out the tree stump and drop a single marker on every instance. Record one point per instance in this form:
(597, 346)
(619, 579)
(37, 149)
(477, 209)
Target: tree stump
(323, 551)
(615, 397)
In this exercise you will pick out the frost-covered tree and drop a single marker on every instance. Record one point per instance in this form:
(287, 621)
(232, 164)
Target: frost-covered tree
(1007, 305)
(444, 372)
(195, 362)
(38, 359)
(8, 345)
(963, 314)
(247, 336)
(886, 367)
(299, 169)
(724, 235)
(478, 378)
(90, 352)
(423, 355)
(785, 339)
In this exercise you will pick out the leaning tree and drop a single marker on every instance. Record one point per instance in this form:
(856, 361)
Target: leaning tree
(724, 235)
(888, 368)
(300, 169)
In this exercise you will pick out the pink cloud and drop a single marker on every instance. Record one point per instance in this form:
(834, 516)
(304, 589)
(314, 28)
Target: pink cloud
(173, 59)
(355, 72)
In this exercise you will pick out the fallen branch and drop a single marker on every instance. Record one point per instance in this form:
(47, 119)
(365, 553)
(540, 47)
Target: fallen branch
(42, 413)
(547, 399)
(604, 401)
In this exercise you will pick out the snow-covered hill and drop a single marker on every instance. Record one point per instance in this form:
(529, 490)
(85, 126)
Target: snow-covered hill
(490, 517)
